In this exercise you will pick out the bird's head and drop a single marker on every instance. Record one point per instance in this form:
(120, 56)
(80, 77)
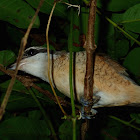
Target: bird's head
(34, 62)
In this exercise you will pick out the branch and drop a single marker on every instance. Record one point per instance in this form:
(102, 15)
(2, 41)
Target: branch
(28, 82)
(90, 49)
(88, 81)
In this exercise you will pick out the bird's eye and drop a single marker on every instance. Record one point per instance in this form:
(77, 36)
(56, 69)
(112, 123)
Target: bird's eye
(31, 52)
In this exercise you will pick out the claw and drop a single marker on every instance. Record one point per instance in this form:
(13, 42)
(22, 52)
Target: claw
(87, 103)
(90, 116)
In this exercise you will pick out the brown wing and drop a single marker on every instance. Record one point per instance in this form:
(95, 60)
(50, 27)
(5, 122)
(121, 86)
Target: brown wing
(117, 67)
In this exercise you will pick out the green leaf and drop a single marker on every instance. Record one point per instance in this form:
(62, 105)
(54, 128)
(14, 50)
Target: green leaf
(117, 48)
(18, 86)
(76, 32)
(117, 43)
(24, 128)
(65, 130)
(19, 102)
(15, 35)
(122, 47)
(117, 18)
(132, 61)
(135, 35)
(116, 5)
(114, 129)
(18, 13)
(60, 9)
(20, 97)
(84, 20)
(131, 19)
(7, 57)
(35, 114)
(136, 117)
(84, 23)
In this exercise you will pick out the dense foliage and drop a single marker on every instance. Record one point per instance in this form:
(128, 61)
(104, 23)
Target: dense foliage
(117, 34)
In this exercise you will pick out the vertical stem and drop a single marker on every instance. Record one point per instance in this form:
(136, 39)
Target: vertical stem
(90, 49)
(48, 53)
(74, 128)
(71, 83)
(70, 45)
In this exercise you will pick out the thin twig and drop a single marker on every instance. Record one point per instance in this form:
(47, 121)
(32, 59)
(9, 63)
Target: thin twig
(72, 5)
(21, 51)
(119, 28)
(48, 53)
(125, 122)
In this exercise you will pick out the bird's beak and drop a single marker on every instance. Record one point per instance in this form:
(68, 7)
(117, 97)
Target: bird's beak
(12, 67)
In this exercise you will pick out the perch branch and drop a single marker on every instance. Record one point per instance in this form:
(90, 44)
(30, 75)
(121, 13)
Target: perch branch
(28, 82)
(90, 58)
(90, 49)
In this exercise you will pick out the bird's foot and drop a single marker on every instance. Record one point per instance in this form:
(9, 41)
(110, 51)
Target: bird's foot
(87, 103)
(96, 99)
(83, 115)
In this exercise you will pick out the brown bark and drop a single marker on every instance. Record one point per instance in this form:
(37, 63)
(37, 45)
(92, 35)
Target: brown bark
(90, 49)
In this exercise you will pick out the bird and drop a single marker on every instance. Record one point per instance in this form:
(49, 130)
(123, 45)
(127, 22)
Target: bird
(112, 83)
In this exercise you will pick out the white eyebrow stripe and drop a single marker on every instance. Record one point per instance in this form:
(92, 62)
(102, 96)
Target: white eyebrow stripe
(35, 50)
(39, 49)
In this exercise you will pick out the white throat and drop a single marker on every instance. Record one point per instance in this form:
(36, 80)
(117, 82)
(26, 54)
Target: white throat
(35, 65)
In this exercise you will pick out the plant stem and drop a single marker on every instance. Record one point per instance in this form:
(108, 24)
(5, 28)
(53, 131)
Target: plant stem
(47, 119)
(124, 122)
(70, 46)
(74, 128)
(118, 27)
(48, 53)
(90, 57)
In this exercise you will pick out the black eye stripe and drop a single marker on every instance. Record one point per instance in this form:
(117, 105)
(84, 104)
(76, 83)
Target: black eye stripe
(33, 51)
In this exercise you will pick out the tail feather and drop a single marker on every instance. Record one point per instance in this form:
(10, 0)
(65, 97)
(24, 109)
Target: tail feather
(135, 96)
